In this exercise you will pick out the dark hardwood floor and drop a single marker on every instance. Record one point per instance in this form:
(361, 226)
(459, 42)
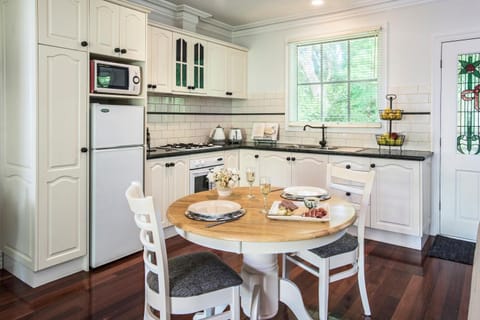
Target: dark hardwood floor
(401, 283)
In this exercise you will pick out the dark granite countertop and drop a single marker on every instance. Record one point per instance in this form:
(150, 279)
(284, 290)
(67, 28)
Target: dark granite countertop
(383, 152)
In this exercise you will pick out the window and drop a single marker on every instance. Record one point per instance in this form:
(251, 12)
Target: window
(335, 81)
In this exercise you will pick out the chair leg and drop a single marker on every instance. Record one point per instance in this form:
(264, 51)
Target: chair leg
(235, 306)
(362, 287)
(286, 266)
(323, 283)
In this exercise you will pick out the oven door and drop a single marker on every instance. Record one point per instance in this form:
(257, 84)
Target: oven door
(199, 181)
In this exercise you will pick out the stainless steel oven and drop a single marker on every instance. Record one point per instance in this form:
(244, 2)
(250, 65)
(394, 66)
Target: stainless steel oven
(199, 169)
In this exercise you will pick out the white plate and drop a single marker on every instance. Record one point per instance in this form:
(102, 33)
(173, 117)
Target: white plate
(273, 213)
(226, 217)
(303, 191)
(214, 208)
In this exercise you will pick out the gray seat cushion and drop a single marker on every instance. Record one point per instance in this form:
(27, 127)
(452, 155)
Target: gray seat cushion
(345, 244)
(195, 274)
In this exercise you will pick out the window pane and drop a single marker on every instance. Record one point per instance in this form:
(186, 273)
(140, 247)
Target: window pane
(335, 102)
(309, 101)
(363, 101)
(335, 61)
(363, 56)
(309, 67)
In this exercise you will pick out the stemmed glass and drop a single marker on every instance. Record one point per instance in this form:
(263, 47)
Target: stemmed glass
(265, 190)
(250, 179)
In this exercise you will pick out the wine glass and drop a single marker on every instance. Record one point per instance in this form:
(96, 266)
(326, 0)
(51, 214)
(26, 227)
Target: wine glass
(250, 172)
(265, 190)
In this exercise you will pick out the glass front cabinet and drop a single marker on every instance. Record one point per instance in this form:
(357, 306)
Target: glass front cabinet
(189, 70)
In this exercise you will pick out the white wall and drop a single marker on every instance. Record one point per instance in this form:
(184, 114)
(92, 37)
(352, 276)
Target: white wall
(410, 32)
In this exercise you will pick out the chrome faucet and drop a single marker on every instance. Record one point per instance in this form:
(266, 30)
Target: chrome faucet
(323, 142)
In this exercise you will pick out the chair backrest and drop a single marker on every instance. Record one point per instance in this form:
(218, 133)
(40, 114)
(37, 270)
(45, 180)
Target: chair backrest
(153, 240)
(356, 182)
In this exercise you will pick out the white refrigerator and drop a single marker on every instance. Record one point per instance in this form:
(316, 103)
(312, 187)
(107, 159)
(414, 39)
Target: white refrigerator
(116, 141)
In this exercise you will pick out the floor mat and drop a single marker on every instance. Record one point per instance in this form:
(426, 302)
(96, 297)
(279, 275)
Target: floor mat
(452, 249)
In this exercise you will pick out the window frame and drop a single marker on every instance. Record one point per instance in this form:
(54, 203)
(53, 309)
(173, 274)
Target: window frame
(291, 69)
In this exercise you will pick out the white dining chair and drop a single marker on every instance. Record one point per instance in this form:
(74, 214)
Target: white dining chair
(346, 251)
(185, 284)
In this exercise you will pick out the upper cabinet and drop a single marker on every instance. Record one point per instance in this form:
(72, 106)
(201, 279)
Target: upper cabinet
(117, 31)
(63, 23)
(159, 59)
(189, 69)
(227, 72)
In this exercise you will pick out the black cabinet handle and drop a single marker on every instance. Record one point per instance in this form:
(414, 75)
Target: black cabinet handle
(288, 158)
(293, 159)
(348, 194)
(84, 43)
(167, 165)
(348, 166)
(372, 165)
(84, 149)
(149, 86)
(219, 159)
(228, 93)
(172, 164)
(117, 50)
(256, 156)
(154, 86)
(123, 51)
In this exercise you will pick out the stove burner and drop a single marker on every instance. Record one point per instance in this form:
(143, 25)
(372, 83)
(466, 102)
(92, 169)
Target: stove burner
(183, 146)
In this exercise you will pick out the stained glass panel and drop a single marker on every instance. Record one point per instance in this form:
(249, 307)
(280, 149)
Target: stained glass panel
(468, 109)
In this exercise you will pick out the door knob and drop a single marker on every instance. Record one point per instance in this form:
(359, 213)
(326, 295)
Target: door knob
(84, 149)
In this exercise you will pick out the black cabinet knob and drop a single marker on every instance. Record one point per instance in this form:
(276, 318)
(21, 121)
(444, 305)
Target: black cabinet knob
(167, 165)
(219, 159)
(154, 86)
(347, 194)
(123, 51)
(293, 159)
(84, 149)
(348, 166)
(172, 164)
(256, 156)
(117, 50)
(228, 93)
(84, 43)
(288, 158)
(149, 86)
(372, 165)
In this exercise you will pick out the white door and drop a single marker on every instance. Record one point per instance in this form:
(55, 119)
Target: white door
(159, 60)
(133, 26)
(104, 27)
(460, 141)
(62, 166)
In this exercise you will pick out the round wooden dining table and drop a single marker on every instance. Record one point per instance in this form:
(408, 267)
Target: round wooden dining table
(260, 239)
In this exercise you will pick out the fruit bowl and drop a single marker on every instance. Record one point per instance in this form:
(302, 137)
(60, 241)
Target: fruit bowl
(387, 139)
(391, 114)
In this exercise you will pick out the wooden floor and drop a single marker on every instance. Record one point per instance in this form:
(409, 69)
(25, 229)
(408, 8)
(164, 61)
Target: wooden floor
(401, 284)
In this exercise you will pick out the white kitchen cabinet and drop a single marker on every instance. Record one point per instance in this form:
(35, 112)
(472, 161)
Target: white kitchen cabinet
(189, 55)
(63, 23)
(284, 168)
(43, 169)
(62, 166)
(117, 31)
(400, 198)
(232, 160)
(166, 179)
(159, 60)
(227, 71)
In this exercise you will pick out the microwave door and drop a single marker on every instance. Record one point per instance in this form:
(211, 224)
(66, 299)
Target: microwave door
(112, 79)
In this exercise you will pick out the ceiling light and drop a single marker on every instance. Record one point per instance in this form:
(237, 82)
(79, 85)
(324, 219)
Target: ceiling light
(317, 2)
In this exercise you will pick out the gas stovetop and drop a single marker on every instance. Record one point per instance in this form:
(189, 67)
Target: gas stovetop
(173, 147)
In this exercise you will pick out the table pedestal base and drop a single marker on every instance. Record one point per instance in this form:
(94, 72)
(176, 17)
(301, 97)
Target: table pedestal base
(262, 270)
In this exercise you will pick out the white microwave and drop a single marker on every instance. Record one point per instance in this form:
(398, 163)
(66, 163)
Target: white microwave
(114, 78)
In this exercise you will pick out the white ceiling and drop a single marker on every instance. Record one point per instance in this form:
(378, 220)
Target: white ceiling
(243, 12)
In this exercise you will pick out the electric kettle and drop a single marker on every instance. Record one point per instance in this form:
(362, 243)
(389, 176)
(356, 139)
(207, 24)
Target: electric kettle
(235, 135)
(218, 135)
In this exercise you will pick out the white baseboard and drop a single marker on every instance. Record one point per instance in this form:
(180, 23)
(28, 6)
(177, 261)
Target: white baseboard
(398, 239)
(35, 279)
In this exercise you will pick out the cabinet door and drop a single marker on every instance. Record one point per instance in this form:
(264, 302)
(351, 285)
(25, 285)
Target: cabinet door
(63, 23)
(217, 70)
(132, 32)
(62, 167)
(231, 160)
(178, 183)
(249, 159)
(237, 74)
(159, 60)
(276, 166)
(156, 185)
(395, 204)
(104, 27)
(354, 163)
(189, 55)
(308, 169)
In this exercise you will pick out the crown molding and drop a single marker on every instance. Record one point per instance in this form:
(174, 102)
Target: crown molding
(364, 8)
